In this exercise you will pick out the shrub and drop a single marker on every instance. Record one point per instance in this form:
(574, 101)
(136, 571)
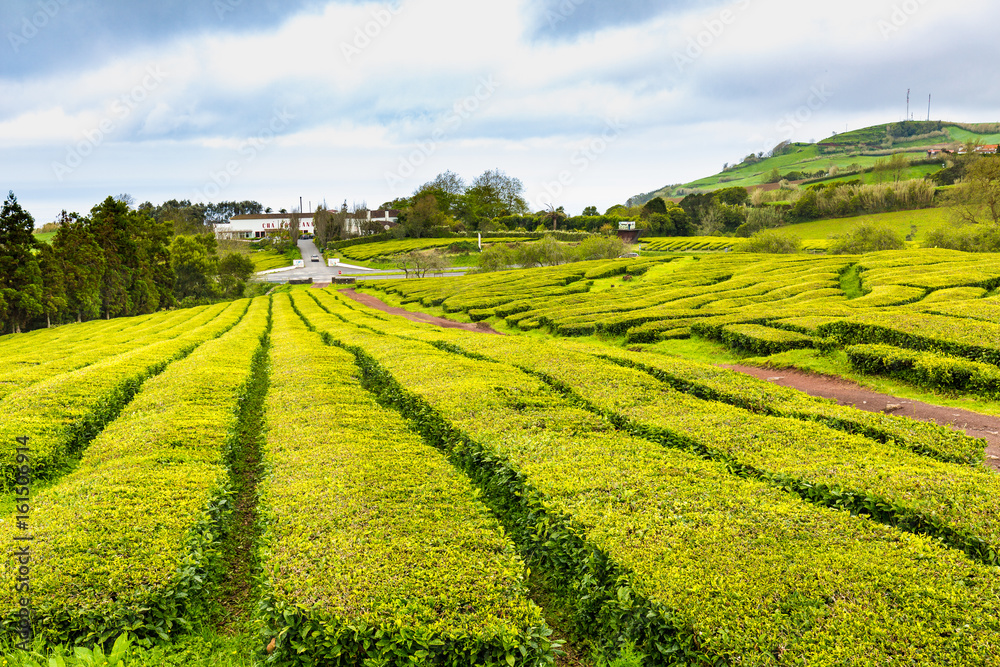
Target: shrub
(866, 237)
(770, 241)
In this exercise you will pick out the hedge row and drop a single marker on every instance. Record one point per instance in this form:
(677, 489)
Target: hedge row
(62, 414)
(40, 360)
(128, 541)
(927, 369)
(957, 503)
(971, 339)
(715, 384)
(671, 551)
(376, 550)
(761, 340)
(395, 247)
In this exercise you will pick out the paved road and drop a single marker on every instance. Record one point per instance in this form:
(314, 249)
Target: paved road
(320, 272)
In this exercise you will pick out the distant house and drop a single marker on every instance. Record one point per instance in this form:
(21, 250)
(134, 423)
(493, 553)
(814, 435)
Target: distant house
(627, 232)
(988, 148)
(250, 227)
(934, 152)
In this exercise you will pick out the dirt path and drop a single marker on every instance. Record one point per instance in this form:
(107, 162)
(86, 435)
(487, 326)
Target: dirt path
(846, 392)
(843, 391)
(372, 302)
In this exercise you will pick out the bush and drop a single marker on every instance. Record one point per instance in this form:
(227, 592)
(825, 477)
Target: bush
(770, 241)
(866, 237)
(967, 238)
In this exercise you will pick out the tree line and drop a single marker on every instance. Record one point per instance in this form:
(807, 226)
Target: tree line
(117, 261)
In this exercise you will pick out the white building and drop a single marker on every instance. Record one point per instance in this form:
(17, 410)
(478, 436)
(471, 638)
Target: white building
(261, 225)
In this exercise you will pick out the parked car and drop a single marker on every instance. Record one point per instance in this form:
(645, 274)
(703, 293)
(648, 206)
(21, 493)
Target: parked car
(315, 258)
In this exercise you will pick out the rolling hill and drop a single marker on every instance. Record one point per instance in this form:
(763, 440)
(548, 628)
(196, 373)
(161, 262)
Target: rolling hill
(842, 156)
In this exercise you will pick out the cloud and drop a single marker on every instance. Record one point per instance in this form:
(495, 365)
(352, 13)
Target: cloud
(43, 36)
(571, 19)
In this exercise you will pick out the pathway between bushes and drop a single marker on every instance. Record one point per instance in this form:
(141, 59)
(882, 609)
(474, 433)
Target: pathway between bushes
(846, 392)
(843, 391)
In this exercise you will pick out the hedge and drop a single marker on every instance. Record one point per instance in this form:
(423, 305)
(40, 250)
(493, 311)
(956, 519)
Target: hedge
(934, 371)
(757, 339)
(41, 359)
(376, 550)
(825, 466)
(671, 551)
(971, 339)
(129, 541)
(63, 414)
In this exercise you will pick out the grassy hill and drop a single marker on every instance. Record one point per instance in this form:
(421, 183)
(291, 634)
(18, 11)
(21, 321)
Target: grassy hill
(850, 153)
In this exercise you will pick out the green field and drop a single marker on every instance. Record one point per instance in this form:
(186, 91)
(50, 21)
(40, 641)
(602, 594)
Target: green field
(300, 480)
(268, 260)
(45, 237)
(847, 151)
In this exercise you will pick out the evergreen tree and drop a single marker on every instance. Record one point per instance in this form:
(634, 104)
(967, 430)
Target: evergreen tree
(54, 302)
(82, 264)
(20, 275)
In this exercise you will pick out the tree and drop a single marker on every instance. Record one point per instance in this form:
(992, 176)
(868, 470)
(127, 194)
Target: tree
(423, 215)
(656, 205)
(977, 198)
(20, 275)
(54, 301)
(195, 264)
(420, 262)
(235, 271)
(294, 224)
(330, 226)
(898, 166)
(82, 261)
(492, 195)
(448, 189)
(555, 215)
(135, 276)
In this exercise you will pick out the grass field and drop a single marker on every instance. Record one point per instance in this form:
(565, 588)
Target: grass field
(267, 260)
(811, 158)
(45, 237)
(301, 480)
(902, 222)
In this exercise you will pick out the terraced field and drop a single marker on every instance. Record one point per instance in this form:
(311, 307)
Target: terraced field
(444, 497)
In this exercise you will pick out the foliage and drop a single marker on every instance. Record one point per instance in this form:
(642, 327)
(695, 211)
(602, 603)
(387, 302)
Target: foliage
(935, 371)
(642, 566)
(151, 489)
(436, 582)
(770, 241)
(21, 287)
(866, 237)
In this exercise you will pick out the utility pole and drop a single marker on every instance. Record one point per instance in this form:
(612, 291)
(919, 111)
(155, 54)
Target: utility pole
(907, 104)
(928, 108)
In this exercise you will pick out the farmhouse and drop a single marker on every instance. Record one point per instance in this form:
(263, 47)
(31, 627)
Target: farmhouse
(244, 227)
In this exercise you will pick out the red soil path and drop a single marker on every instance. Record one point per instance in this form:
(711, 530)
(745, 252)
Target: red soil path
(843, 391)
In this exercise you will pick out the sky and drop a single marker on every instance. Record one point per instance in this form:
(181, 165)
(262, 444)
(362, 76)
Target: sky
(587, 102)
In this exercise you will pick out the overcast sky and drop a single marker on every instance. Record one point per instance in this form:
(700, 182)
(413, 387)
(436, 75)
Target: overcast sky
(588, 102)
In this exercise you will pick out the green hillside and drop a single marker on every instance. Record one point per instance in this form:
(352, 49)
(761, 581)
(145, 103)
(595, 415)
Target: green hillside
(848, 155)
